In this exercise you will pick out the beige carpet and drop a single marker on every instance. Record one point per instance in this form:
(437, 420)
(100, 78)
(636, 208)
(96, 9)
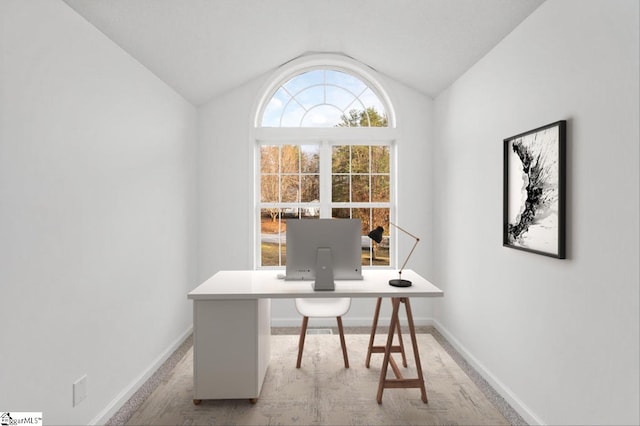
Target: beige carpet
(323, 392)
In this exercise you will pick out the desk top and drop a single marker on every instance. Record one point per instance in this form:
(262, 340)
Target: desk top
(264, 284)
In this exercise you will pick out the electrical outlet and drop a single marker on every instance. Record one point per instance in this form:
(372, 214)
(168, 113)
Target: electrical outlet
(79, 390)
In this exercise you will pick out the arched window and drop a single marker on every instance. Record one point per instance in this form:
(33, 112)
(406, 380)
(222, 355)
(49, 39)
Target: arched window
(324, 98)
(324, 149)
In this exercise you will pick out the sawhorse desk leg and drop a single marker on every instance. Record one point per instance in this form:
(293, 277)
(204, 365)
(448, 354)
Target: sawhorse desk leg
(399, 381)
(380, 349)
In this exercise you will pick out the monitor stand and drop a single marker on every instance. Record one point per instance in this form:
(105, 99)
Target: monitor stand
(324, 271)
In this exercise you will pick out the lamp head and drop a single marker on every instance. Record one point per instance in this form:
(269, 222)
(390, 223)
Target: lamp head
(376, 234)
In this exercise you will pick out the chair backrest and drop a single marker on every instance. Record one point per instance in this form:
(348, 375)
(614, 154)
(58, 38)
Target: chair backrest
(323, 307)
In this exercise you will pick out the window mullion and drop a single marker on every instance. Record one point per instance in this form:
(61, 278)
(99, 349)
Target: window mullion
(325, 179)
(280, 174)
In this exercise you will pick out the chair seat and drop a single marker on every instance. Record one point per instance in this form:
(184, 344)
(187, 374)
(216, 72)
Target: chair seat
(323, 307)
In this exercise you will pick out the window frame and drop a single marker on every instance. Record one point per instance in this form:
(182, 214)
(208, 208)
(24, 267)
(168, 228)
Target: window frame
(328, 135)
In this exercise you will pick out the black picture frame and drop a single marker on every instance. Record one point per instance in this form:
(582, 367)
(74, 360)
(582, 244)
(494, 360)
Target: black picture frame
(534, 214)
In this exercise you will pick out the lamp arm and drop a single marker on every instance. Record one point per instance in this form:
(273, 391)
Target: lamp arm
(405, 231)
(412, 248)
(410, 253)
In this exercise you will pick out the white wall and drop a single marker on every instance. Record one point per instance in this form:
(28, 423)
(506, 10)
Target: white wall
(226, 179)
(97, 223)
(559, 338)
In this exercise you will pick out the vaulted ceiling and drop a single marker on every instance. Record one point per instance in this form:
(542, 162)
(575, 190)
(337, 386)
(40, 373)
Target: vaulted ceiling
(203, 48)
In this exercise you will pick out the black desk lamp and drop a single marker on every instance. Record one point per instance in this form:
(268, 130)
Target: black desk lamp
(376, 235)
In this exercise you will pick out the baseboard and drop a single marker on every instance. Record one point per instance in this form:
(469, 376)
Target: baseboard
(504, 391)
(113, 407)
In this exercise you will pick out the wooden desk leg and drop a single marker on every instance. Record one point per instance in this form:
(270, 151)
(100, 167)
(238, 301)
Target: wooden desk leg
(414, 342)
(373, 331)
(371, 349)
(404, 356)
(387, 350)
(401, 382)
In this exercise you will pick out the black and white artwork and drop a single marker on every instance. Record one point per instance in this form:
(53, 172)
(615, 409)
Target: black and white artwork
(534, 186)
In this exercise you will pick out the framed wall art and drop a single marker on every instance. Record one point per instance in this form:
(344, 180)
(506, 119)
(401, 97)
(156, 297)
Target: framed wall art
(534, 191)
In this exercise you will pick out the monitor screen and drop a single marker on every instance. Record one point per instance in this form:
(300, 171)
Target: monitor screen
(308, 239)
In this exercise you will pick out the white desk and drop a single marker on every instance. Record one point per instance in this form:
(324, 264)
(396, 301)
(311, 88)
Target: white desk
(232, 324)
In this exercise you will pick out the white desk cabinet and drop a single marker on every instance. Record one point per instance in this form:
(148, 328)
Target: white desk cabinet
(231, 348)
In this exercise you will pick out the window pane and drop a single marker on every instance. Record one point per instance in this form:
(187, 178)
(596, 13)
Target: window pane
(338, 97)
(310, 159)
(273, 111)
(269, 188)
(374, 253)
(379, 159)
(290, 189)
(349, 82)
(311, 212)
(364, 214)
(371, 100)
(380, 188)
(322, 116)
(340, 189)
(360, 188)
(360, 159)
(341, 213)
(380, 217)
(380, 252)
(292, 114)
(268, 159)
(375, 117)
(289, 213)
(272, 248)
(303, 80)
(311, 96)
(340, 159)
(290, 159)
(310, 188)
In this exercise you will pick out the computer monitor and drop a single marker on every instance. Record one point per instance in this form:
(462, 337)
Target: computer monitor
(323, 250)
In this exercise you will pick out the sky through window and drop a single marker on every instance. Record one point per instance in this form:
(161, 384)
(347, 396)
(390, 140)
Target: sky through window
(324, 98)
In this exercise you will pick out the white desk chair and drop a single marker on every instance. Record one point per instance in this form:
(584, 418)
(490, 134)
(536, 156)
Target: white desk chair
(322, 308)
